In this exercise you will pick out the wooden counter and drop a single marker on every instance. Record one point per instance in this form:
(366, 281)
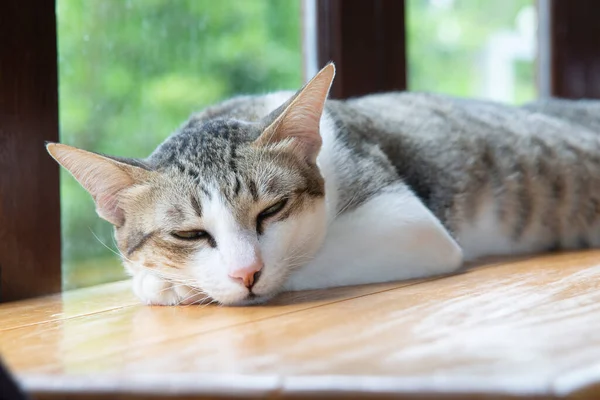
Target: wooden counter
(525, 328)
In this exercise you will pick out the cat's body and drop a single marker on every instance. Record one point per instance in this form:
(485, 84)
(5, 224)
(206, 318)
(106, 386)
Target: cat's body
(502, 179)
(403, 185)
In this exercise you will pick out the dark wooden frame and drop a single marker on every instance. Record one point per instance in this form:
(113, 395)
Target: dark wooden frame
(366, 39)
(30, 261)
(575, 48)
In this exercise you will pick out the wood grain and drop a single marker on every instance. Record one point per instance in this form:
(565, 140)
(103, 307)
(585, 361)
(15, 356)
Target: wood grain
(66, 305)
(514, 329)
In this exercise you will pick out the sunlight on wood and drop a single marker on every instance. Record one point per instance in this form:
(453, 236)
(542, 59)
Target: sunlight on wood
(524, 327)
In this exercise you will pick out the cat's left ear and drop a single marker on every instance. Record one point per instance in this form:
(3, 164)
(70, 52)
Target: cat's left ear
(297, 122)
(103, 177)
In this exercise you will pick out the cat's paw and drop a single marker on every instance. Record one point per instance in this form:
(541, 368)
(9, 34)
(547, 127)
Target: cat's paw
(153, 290)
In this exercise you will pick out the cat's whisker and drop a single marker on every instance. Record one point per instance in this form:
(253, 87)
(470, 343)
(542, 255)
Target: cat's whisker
(213, 301)
(174, 286)
(116, 245)
(295, 266)
(297, 252)
(189, 296)
(295, 255)
(297, 261)
(300, 259)
(205, 301)
(345, 207)
(116, 252)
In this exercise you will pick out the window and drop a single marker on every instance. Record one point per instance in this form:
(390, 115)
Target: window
(131, 71)
(470, 48)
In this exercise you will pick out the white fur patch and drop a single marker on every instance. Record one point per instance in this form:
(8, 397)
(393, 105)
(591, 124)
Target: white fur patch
(235, 248)
(326, 164)
(488, 235)
(154, 290)
(391, 237)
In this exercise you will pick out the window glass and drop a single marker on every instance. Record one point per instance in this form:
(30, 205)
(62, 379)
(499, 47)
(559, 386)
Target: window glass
(474, 48)
(131, 71)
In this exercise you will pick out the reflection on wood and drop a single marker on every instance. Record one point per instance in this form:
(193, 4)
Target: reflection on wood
(515, 328)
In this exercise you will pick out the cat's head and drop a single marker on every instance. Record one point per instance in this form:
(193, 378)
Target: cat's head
(228, 207)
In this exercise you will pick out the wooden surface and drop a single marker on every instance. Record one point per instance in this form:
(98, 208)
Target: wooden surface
(528, 328)
(29, 190)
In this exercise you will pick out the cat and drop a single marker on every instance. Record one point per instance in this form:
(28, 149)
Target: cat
(292, 191)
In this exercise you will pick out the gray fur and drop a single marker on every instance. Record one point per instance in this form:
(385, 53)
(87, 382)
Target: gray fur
(541, 161)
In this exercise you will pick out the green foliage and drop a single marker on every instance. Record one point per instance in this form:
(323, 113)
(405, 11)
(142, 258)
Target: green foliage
(131, 71)
(445, 44)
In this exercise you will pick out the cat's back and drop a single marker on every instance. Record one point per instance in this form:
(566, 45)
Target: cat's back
(504, 179)
(435, 116)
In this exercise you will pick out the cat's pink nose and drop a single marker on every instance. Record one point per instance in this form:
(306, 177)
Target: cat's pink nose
(247, 275)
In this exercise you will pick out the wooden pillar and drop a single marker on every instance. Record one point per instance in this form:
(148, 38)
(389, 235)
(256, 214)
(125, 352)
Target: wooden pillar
(575, 48)
(30, 260)
(366, 40)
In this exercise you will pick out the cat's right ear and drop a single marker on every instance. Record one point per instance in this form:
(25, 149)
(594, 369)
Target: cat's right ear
(296, 123)
(103, 177)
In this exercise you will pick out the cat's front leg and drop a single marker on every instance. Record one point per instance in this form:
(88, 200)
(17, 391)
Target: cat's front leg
(151, 289)
(390, 237)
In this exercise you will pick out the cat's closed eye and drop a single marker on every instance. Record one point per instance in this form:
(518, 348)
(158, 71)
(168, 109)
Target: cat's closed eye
(269, 212)
(192, 235)
(272, 210)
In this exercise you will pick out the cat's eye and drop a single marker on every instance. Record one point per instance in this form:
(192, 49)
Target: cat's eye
(272, 210)
(195, 235)
(191, 235)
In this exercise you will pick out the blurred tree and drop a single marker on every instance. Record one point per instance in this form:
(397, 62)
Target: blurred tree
(131, 71)
(448, 39)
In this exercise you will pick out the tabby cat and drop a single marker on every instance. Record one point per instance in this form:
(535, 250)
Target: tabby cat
(287, 191)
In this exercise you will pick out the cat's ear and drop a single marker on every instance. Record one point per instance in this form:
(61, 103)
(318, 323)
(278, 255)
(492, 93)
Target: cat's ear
(104, 178)
(297, 122)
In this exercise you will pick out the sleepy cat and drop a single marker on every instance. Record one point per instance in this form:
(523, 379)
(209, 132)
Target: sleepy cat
(287, 191)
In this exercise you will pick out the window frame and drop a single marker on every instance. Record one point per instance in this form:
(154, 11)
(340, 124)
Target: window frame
(30, 262)
(573, 43)
(366, 39)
